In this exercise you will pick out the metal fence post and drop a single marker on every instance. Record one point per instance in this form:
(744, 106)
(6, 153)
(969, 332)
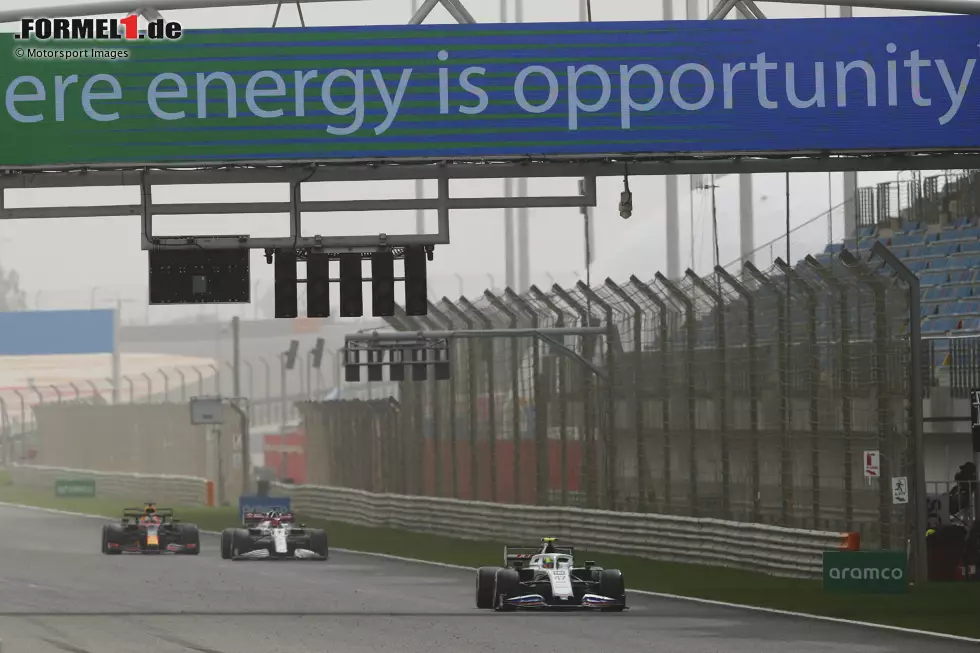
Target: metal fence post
(637, 395)
(611, 450)
(916, 393)
(882, 412)
(471, 382)
(419, 392)
(149, 388)
(690, 342)
(782, 348)
(589, 453)
(454, 465)
(166, 385)
(488, 349)
(541, 400)
(721, 378)
(515, 396)
(846, 379)
(561, 366)
(813, 385)
(754, 394)
(663, 385)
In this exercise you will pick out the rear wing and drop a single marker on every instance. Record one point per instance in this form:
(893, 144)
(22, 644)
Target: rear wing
(518, 555)
(255, 517)
(136, 513)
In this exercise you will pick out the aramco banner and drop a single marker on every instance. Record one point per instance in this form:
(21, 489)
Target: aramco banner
(470, 91)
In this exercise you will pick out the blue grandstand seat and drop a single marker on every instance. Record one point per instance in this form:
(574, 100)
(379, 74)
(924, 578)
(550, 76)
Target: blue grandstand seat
(970, 246)
(970, 324)
(917, 252)
(960, 308)
(938, 263)
(902, 240)
(965, 233)
(961, 292)
(936, 293)
(960, 223)
(932, 237)
(833, 248)
(866, 232)
(940, 324)
(917, 266)
(943, 248)
(960, 276)
(964, 261)
(934, 278)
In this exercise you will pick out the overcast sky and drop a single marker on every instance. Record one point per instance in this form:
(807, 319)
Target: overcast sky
(62, 259)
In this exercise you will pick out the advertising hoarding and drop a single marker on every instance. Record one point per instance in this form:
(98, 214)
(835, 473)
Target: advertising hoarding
(42, 333)
(509, 90)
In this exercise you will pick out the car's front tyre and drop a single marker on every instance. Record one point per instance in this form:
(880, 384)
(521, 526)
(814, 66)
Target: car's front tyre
(506, 582)
(226, 541)
(612, 585)
(107, 531)
(485, 578)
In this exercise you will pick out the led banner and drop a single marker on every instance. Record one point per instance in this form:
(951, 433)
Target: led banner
(469, 91)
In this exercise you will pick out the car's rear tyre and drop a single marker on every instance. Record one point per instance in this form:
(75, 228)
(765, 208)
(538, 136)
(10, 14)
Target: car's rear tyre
(318, 542)
(505, 584)
(612, 585)
(226, 541)
(190, 535)
(484, 587)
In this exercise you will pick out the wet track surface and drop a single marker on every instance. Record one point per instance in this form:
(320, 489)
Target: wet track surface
(59, 593)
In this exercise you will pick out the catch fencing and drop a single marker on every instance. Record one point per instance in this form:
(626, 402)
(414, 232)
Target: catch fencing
(750, 399)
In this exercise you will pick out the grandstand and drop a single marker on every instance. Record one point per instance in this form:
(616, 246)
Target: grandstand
(947, 261)
(937, 236)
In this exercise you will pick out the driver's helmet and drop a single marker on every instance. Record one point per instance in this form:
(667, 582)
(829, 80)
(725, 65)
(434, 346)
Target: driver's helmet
(548, 562)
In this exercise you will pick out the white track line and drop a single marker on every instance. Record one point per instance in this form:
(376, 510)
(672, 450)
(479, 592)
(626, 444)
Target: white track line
(662, 595)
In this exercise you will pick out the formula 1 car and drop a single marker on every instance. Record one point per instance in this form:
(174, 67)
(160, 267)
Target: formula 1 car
(545, 577)
(273, 535)
(150, 530)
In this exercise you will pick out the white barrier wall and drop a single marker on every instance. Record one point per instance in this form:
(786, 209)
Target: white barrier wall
(753, 547)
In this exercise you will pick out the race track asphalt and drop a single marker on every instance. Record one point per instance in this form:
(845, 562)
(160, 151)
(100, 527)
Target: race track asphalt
(58, 593)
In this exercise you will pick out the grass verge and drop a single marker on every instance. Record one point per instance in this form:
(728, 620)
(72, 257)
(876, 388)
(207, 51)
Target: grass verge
(939, 607)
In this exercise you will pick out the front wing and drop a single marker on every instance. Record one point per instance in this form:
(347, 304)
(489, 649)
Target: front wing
(265, 550)
(137, 543)
(538, 601)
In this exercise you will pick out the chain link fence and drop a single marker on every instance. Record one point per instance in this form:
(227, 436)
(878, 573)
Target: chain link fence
(750, 398)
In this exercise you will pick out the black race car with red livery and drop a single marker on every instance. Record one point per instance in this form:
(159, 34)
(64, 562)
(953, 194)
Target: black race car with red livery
(150, 530)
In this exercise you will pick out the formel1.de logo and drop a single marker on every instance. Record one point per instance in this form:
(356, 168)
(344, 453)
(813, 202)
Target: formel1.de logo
(97, 29)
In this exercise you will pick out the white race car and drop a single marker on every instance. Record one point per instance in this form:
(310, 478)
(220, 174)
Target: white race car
(546, 577)
(273, 535)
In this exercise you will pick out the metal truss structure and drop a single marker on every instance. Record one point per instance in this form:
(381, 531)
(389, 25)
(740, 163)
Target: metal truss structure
(146, 176)
(294, 176)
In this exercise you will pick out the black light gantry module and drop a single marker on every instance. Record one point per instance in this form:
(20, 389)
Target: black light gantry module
(199, 276)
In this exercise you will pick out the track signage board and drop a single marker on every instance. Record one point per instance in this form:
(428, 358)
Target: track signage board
(74, 487)
(872, 572)
(510, 90)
